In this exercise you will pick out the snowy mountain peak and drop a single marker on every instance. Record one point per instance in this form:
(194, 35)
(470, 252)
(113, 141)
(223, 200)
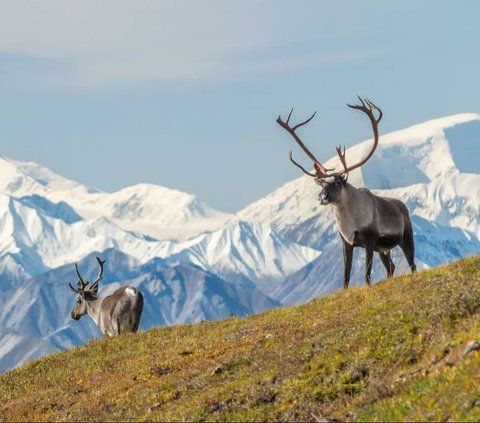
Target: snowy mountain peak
(418, 154)
(249, 250)
(27, 178)
(152, 210)
(149, 209)
(143, 200)
(160, 193)
(426, 129)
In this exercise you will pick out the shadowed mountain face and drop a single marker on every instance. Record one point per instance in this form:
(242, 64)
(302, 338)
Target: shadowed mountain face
(193, 263)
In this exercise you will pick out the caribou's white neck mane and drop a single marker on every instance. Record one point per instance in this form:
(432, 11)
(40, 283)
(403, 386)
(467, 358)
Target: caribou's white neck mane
(353, 211)
(93, 309)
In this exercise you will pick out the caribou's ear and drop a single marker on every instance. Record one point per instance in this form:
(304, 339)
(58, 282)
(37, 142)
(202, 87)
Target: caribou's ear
(344, 178)
(94, 289)
(72, 288)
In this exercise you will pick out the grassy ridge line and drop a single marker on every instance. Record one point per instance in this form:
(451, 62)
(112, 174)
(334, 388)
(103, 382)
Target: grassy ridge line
(381, 353)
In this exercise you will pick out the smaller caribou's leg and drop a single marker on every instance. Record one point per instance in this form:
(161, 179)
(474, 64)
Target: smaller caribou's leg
(368, 264)
(388, 263)
(408, 248)
(138, 312)
(116, 317)
(117, 325)
(347, 261)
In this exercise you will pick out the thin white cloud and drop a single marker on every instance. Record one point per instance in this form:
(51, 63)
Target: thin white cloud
(112, 41)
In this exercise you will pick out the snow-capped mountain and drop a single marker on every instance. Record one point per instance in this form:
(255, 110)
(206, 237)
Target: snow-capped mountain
(152, 210)
(38, 235)
(27, 178)
(148, 209)
(38, 241)
(249, 251)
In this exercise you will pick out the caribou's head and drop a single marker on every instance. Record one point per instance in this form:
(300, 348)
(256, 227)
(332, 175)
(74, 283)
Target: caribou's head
(85, 292)
(332, 189)
(332, 183)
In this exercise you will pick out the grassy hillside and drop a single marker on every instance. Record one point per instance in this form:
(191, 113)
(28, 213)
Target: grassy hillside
(391, 352)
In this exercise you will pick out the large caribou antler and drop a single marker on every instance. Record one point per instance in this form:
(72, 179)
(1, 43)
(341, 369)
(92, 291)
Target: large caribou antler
(319, 168)
(368, 110)
(321, 171)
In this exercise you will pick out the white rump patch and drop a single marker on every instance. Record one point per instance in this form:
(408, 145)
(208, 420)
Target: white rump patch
(131, 291)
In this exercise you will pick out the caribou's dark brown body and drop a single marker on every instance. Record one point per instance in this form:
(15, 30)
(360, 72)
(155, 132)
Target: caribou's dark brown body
(364, 220)
(378, 224)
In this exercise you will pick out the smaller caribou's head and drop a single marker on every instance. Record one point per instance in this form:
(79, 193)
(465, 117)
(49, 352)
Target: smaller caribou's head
(331, 192)
(333, 183)
(85, 292)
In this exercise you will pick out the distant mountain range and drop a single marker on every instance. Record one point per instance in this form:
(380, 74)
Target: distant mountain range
(195, 263)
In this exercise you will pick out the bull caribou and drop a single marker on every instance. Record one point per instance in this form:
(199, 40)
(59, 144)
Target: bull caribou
(364, 220)
(116, 313)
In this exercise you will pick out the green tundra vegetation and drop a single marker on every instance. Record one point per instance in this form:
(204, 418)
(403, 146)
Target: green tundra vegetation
(399, 350)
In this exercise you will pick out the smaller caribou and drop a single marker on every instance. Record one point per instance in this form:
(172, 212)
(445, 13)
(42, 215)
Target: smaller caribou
(116, 313)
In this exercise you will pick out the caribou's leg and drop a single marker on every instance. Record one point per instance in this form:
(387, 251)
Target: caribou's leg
(116, 317)
(118, 326)
(368, 264)
(408, 248)
(347, 261)
(138, 312)
(388, 263)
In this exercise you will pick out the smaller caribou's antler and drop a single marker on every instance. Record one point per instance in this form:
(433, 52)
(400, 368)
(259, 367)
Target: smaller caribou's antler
(100, 274)
(82, 285)
(72, 288)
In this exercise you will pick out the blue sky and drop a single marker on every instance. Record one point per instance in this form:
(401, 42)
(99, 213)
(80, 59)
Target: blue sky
(185, 93)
